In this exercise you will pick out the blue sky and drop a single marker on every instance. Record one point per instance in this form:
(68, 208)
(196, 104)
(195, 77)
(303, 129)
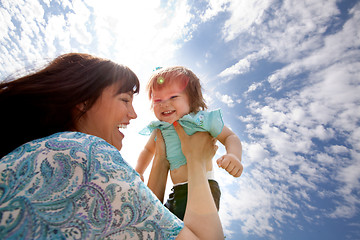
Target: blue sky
(286, 75)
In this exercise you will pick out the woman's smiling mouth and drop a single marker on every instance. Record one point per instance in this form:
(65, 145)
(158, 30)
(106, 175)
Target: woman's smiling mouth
(123, 126)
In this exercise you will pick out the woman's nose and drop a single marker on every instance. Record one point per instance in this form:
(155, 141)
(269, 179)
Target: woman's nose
(132, 113)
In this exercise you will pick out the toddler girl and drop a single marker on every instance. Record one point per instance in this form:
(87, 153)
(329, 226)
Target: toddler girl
(176, 98)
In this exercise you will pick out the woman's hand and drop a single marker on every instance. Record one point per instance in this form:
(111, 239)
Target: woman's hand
(199, 147)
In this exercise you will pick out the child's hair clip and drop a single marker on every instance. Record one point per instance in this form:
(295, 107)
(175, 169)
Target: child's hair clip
(157, 68)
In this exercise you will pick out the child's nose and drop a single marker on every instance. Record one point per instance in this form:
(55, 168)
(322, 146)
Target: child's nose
(164, 103)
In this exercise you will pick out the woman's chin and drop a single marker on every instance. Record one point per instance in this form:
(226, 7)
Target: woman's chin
(118, 140)
(118, 145)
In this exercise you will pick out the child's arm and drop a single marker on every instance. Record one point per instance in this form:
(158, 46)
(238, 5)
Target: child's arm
(160, 168)
(231, 161)
(146, 156)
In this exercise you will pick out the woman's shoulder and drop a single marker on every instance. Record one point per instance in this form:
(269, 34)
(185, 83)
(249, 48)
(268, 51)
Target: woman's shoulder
(61, 142)
(69, 139)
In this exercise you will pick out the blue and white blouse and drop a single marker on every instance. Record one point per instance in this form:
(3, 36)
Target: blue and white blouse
(71, 185)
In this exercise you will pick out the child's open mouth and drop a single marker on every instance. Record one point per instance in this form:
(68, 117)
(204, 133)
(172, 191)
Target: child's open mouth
(168, 113)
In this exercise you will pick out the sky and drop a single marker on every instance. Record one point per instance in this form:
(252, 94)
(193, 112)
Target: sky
(285, 73)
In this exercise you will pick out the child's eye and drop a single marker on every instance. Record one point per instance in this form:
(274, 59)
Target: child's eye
(157, 100)
(172, 97)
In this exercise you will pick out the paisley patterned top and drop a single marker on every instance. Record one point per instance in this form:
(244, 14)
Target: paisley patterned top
(202, 121)
(71, 185)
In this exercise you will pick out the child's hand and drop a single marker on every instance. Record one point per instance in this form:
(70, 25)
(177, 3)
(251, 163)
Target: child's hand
(231, 164)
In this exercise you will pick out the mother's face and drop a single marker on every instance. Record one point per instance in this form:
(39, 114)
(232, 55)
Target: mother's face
(110, 112)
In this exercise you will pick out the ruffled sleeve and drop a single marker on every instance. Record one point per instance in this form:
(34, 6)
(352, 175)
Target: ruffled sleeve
(203, 121)
(154, 125)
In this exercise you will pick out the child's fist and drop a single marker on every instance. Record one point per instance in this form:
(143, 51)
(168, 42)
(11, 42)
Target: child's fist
(231, 164)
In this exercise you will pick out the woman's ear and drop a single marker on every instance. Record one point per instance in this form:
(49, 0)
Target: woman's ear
(81, 107)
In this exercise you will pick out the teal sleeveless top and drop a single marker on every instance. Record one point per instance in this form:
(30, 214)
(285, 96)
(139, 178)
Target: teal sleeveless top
(203, 121)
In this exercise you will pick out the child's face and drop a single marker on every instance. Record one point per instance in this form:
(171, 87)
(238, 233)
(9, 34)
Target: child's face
(170, 103)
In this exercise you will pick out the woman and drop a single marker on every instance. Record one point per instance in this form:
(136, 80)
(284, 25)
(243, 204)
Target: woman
(63, 175)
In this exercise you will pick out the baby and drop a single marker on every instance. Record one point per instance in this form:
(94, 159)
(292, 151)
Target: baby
(176, 98)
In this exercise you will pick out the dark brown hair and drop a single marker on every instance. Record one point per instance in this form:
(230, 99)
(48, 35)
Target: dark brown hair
(165, 76)
(44, 102)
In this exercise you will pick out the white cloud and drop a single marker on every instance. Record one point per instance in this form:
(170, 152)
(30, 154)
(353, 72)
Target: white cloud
(297, 27)
(286, 31)
(339, 47)
(337, 149)
(244, 65)
(208, 99)
(55, 30)
(288, 139)
(214, 8)
(349, 177)
(79, 23)
(253, 203)
(253, 87)
(255, 152)
(240, 67)
(244, 14)
(6, 25)
(224, 98)
(23, 22)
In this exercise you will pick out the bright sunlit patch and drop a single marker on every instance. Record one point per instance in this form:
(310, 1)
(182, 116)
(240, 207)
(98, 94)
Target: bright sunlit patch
(160, 80)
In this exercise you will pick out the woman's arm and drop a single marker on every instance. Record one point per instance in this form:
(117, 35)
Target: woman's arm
(146, 156)
(160, 168)
(201, 217)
